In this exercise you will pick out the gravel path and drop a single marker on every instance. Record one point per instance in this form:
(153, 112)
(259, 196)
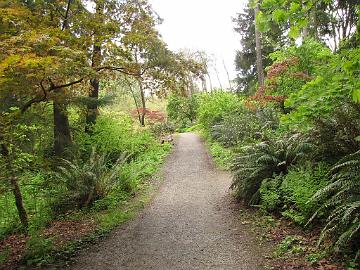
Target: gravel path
(191, 223)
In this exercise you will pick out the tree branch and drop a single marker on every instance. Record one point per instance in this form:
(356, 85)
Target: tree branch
(42, 98)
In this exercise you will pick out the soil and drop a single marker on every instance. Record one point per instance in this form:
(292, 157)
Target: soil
(191, 223)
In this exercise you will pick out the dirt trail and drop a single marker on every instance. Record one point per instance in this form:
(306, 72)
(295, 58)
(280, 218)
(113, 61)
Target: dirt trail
(190, 224)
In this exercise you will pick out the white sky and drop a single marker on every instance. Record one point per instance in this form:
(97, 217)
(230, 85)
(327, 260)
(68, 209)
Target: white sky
(202, 25)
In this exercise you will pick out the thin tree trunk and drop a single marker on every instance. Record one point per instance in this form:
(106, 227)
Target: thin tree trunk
(192, 87)
(203, 83)
(15, 188)
(259, 62)
(305, 31)
(218, 78)
(135, 101)
(143, 103)
(92, 109)
(210, 82)
(227, 73)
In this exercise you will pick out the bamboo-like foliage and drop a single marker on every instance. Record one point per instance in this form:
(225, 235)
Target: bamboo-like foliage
(342, 198)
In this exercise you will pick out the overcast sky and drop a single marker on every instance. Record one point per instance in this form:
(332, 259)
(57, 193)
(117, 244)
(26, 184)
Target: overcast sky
(202, 25)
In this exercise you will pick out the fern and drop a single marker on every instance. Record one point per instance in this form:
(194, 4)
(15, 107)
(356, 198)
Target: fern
(85, 182)
(263, 161)
(342, 199)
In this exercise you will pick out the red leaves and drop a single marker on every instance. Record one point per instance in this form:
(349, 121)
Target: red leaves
(152, 116)
(277, 69)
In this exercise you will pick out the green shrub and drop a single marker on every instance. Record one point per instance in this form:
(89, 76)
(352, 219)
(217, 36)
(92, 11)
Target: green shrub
(80, 183)
(270, 193)
(341, 199)
(38, 250)
(291, 244)
(298, 187)
(182, 110)
(335, 135)
(115, 135)
(264, 161)
(36, 198)
(213, 107)
(162, 129)
(245, 125)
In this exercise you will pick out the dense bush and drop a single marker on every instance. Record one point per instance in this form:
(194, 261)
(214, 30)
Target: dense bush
(182, 110)
(298, 187)
(81, 182)
(85, 179)
(162, 129)
(335, 135)
(121, 137)
(341, 200)
(213, 107)
(265, 160)
(290, 193)
(245, 125)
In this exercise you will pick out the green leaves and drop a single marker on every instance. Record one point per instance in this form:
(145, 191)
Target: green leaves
(262, 22)
(289, 14)
(356, 95)
(279, 15)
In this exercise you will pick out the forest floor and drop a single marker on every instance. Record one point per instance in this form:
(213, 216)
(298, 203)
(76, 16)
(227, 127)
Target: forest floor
(192, 222)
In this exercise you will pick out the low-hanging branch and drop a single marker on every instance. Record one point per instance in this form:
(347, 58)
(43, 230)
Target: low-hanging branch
(45, 92)
(53, 87)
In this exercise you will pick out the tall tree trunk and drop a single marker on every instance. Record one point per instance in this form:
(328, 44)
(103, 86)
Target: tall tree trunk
(259, 62)
(62, 133)
(305, 32)
(92, 108)
(15, 187)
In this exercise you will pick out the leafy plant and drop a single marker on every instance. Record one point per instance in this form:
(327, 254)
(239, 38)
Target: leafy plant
(290, 244)
(86, 181)
(341, 198)
(38, 250)
(297, 188)
(213, 107)
(270, 194)
(162, 129)
(222, 156)
(244, 125)
(335, 135)
(182, 110)
(120, 136)
(265, 160)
